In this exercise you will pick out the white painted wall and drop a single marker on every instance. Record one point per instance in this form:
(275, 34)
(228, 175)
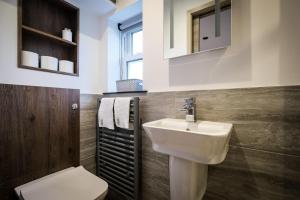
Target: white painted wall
(264, 52)
(91, 54)
(113, 58)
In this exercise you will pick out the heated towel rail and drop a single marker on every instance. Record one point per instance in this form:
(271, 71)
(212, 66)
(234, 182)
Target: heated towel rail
(118, 156)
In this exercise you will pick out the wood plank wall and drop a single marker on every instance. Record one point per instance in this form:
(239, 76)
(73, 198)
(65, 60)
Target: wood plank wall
(264, 152)
(263, 161)
(39, 134)
(88, 111)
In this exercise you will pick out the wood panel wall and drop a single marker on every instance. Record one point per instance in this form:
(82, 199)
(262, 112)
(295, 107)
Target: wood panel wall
(39, 134)
(88, 111)
(263, 161)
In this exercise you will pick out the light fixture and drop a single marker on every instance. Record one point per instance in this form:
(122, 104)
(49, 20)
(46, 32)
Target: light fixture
(171, 24)
(217, 18)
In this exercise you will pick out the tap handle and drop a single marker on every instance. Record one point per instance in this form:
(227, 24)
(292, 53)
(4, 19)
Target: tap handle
(189, 100)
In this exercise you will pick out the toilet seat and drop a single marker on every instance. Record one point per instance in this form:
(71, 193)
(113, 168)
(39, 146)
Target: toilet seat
(69, 184)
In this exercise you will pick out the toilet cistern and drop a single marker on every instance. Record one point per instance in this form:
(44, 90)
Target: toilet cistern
(189, 107)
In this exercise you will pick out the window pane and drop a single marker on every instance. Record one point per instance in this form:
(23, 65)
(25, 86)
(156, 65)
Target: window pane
(137, 42)
(135, 69)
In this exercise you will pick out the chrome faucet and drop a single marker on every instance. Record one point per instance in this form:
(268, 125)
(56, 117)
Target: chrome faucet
(189, 107)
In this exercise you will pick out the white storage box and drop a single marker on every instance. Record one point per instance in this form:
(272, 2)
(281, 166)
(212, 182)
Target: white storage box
(30, 59)
(66, 66)
(48, 62)
(129, 85)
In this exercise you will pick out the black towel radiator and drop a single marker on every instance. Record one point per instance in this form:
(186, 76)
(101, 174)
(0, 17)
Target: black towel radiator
(118, 156)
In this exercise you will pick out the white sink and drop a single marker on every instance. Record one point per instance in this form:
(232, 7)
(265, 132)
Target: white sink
(191, 146)
(203, 141)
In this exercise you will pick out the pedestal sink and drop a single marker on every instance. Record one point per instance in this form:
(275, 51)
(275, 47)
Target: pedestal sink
(192, 146)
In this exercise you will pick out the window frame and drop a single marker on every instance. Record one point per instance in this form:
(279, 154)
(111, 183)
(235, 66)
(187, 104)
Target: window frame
(126, 48)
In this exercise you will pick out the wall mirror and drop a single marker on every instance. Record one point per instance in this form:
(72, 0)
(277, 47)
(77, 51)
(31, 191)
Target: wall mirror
(192, 26)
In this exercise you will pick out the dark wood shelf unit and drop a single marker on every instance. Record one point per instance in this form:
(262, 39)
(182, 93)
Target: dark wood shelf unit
(47, 35)
(46, 70)
(40, 24)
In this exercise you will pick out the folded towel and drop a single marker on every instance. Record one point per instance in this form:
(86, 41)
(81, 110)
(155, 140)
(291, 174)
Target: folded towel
(105, 113)
(122, 112)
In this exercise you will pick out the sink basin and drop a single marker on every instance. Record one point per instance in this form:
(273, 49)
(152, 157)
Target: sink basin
(203, 141)
(191, 146)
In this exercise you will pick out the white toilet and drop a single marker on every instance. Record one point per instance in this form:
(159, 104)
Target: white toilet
(69, 184)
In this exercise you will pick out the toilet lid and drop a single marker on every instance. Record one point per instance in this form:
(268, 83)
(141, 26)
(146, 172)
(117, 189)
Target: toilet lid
(73, 184)
(18, 189)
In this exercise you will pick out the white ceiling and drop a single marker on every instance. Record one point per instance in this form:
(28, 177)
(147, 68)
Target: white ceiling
(98, 7)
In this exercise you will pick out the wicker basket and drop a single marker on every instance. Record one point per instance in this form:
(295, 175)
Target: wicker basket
(129, 85)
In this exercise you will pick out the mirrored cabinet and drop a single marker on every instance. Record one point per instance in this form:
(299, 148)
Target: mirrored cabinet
(193, 26)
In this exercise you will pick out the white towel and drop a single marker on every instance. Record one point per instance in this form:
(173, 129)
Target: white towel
(106, 113)
(122, 112)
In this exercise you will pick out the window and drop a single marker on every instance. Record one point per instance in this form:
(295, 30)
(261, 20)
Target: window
(135, 69)
(132, 52)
